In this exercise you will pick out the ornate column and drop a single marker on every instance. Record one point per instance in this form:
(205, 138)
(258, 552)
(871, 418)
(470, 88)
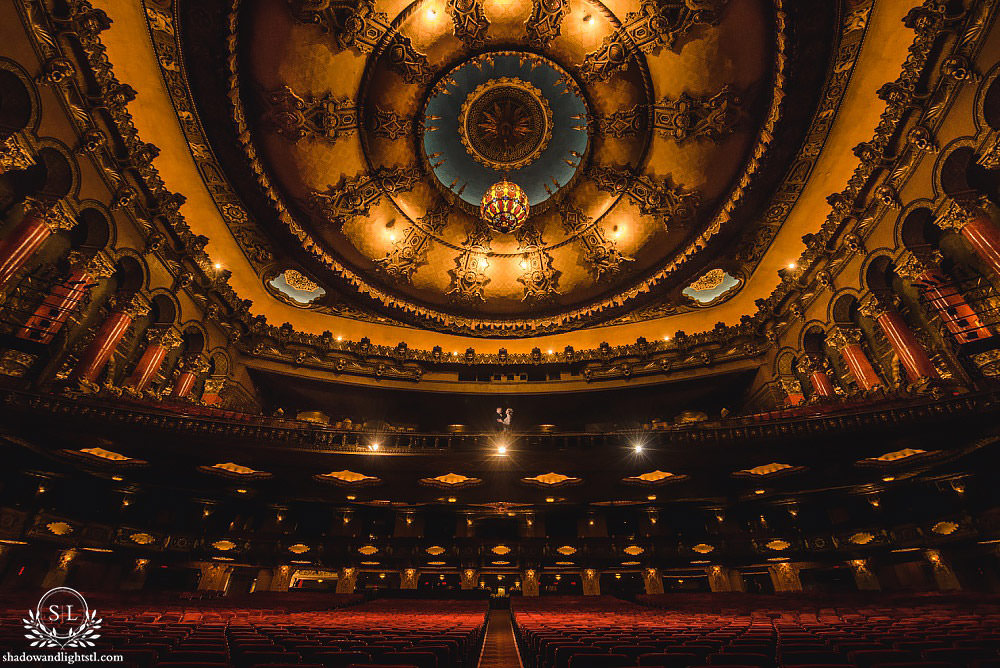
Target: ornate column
(191, 366)
(136, 578)
(863, 576)
(944, 576)
(346, 580)
(110, 333)
(281, 578)
(979, 230)
(469, 579)
(848, 341)
(785, 577)
(652, 581)
(529, 583)
(214, 576)
(212, 391)
(65, 297)
(793, 390)
(38, 224)
(958, 317)
(591, 582)
(59, 571)
(722, 579)
(159, 341)
(813, 367)
(902, 339)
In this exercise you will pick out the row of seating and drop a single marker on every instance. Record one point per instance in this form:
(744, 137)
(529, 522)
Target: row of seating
(602, 632)
(410, 634)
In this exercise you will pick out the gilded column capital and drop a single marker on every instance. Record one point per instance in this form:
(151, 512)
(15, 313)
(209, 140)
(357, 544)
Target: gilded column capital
(808, 364)
(840, 336)
(55, 214)
(875, 306)
(131, 305)
(959, 214)
(193, 363)
(791, 385)
(214, 384)
(168, 337)
(96, 266)
(915, 265)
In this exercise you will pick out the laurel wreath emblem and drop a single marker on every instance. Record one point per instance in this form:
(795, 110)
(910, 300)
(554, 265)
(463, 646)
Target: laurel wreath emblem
(82, 636)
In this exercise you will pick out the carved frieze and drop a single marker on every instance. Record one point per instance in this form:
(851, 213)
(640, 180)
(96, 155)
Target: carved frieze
(545, 22)
(657, 24)
(295, 117)
(698, 116)
(604, 258)
(410, 252)
(669, 203)
(355, 196)
(470, 21)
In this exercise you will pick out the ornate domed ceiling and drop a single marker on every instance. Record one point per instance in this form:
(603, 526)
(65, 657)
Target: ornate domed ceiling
(647, 136)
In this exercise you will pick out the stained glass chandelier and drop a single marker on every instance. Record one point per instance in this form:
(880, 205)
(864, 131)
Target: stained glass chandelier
(504, 206)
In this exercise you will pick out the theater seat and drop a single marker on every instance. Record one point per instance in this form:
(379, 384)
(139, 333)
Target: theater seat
(600, 660)
(734, 659)
(669, 659)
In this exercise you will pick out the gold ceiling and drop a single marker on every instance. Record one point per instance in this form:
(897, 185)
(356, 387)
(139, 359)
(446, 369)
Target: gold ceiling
(308, 172)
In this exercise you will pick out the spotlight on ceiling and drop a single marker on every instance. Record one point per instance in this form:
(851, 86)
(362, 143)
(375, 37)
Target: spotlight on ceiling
(375, 446)
(792, 266)
(637, 448)
(217, 265)
(501, 450)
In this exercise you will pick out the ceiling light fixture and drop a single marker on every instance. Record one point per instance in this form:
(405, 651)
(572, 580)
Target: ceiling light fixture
(637, 448)
(504, 206)
(502, 450)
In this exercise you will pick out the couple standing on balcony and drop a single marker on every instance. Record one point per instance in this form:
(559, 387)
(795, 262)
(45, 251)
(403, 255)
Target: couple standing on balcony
(504, 418)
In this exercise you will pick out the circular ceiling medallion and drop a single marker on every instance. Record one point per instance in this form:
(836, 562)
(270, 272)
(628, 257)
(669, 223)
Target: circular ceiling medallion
(505, 114)
(505, 123)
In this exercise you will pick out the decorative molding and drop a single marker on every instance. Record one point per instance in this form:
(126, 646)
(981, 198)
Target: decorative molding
(354, 197)
(667, 202)
(295, 117)
(409, 253)
(657, 24)
(604, 257)
(545, 22)
(470, 21)
(706, 116)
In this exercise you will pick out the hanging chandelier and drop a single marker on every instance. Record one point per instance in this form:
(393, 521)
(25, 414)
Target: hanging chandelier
(504, 206)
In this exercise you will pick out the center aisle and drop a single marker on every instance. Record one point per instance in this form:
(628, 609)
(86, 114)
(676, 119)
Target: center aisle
(499, 648)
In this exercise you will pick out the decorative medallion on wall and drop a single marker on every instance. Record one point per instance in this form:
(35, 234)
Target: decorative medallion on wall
(237, 471)
(777, 544)
(771, 470)
(703, 548)
(566, 550)
(897, 456)
(435, 550)
(862, 538)
(298, 548)
(368, 550)
(451, 481)
(656, 477)
(347, 478)
(224, 545)
(551, 480)
(945, 528)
